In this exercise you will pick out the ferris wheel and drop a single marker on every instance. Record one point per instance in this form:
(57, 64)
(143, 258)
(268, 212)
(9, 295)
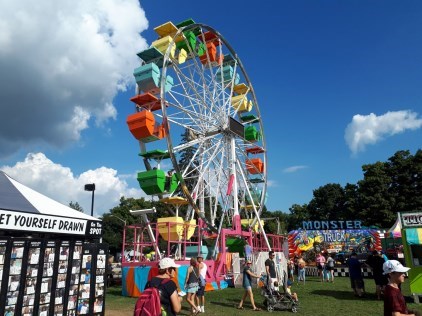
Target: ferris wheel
(197, 114)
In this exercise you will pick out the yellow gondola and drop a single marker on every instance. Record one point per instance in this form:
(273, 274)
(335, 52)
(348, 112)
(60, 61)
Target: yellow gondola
(177, 201)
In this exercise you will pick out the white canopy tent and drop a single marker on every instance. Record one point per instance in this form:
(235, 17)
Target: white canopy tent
(24, 209)
(395, 230)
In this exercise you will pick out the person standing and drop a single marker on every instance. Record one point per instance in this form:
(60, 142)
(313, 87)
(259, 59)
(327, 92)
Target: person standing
(376, 262)
(394, 302)
(301, 270)
(270, 270)
(192, 285)
(200, 295)
(170, 299)
(329, 267)
(291, 269)
(248, 250)
(320, 262)
(247, 285)
(355, 274)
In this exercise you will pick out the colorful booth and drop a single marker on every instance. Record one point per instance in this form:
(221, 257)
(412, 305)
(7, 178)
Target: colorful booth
(60, 268)
(412, 246)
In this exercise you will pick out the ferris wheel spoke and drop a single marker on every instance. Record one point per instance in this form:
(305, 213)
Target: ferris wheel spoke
(194, 84)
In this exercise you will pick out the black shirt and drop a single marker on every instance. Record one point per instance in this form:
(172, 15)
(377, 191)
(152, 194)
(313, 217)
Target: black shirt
(166, 290)
(270, 263)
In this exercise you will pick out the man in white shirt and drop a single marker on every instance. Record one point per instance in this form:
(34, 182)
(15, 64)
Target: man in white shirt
(200, 294)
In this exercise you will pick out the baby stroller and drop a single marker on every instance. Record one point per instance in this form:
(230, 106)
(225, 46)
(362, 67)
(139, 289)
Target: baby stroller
(275, 300)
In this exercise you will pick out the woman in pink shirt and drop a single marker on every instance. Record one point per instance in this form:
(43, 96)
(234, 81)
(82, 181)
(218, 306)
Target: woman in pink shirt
(320, 262)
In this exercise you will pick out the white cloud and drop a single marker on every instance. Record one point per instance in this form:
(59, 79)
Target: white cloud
(369, 129)
(61, 64)
(272, 183)
(59, 183)
(294, 169)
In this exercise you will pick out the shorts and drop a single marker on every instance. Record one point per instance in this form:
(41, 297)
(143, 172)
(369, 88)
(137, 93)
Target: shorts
(201, 291)
(357, 283)
(381, 280)
(329, 268)
(192, 288)
(247, 287)
(319, 266)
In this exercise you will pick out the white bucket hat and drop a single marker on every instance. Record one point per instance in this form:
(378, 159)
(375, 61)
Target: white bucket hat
(166, 263)
(394, 266)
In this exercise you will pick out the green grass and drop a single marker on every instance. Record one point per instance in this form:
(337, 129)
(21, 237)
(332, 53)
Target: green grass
(316, 299)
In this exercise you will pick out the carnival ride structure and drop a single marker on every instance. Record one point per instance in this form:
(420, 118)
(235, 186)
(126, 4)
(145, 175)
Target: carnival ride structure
(196, 115)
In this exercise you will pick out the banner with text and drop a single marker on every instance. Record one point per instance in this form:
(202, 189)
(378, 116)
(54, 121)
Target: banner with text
(46, 224)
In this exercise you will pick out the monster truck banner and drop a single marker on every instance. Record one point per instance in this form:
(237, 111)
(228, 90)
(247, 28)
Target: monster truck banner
(359, 240)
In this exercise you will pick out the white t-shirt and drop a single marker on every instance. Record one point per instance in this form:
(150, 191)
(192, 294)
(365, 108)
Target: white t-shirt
(203, 270)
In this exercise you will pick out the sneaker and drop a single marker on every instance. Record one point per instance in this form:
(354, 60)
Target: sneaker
(202, 309)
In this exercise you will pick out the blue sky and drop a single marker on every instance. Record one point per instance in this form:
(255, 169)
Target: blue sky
(337, 82)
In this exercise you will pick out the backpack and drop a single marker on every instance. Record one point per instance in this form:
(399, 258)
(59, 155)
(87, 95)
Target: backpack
(149, 303)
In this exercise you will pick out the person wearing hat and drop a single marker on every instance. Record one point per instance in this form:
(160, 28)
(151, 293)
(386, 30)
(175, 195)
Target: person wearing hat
(170, 300)
(394, 302)
(200, 294)
(247, 285)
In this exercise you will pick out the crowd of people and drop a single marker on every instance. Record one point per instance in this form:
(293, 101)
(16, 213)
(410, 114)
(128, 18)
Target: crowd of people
(388, 276)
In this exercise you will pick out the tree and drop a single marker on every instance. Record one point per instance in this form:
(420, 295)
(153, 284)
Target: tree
(405, 172)
(187, 161)
(76, 206)
(113, 225)
(375, 200)
(327, 203)
(298, 214)
(351, 205)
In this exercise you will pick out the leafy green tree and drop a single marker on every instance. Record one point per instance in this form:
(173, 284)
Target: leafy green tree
(350, 208)
(114, 221)
(375, 201)
(405, 172)
(187, 161)
(327, 203)
(76, 206)
(298, 214)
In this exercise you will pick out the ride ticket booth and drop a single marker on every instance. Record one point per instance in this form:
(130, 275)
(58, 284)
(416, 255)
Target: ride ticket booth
(412, 245)
(51, 259)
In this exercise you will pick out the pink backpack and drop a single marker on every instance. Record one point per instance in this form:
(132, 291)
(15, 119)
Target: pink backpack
(149, 304)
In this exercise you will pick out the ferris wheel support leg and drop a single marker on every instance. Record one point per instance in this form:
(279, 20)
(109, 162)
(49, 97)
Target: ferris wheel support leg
(151, 235)
(257, 218)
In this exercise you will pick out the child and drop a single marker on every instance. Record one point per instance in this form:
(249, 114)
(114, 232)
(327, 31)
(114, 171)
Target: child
(288, 291)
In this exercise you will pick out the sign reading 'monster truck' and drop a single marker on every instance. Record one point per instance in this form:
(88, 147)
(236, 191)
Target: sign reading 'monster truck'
(352, 238)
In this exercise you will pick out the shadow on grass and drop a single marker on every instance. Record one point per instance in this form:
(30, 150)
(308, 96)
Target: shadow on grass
(231, 303)
(343, 295)
(114, 291)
